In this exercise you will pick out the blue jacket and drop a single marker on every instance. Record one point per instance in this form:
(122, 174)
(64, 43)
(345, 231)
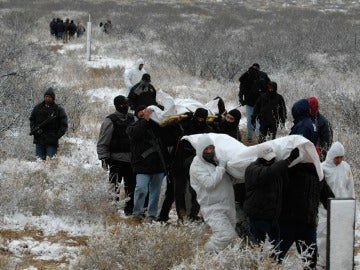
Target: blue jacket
(303, 125)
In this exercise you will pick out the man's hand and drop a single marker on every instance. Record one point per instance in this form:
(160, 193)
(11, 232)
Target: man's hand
(105, 164)
(294, 155)
(147, 113)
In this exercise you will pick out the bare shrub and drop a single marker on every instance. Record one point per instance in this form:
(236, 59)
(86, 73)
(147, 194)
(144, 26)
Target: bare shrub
(153, 246)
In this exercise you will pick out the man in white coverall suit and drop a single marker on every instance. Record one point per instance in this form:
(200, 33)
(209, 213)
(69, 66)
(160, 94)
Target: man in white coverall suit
(339, 177)
(134, 74)
(215, 194)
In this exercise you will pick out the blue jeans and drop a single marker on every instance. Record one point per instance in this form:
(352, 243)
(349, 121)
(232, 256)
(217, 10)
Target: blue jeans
(250, 129)
(45, 150)
(147, 183)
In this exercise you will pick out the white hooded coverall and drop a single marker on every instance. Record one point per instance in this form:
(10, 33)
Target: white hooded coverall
(134, 75)
(340, 180)
(215, 194)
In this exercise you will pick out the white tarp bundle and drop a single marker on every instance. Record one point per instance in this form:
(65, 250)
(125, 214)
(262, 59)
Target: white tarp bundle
(239, 156)
(179, 106)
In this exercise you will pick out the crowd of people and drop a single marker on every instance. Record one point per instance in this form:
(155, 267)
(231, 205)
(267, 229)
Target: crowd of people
(276, 200)
(66, 30)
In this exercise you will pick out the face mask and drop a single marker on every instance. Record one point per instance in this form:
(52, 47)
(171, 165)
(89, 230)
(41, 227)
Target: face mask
(123, 109)
(209, 156)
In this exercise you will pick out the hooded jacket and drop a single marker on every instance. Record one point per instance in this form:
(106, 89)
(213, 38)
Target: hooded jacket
(134, 75)
(303, 124)
(339, 178)
(215, 194)
(323, 127)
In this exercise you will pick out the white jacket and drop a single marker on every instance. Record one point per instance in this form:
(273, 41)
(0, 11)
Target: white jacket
(134, 75)
(215, 194)
(340, 180)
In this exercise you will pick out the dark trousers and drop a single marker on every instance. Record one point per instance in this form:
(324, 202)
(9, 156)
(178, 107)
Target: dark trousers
(304, 236)
(122, 170)
(267, 129)
(260, 228)
(168, 201)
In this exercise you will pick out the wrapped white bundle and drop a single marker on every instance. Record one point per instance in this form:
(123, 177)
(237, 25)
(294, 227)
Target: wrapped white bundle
(239, 156)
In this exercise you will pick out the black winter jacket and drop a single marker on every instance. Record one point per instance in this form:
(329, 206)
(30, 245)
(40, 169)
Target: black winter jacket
(303, 194)
(270, 109)
(52, 131)
(264, 188)
(252, 83)
(146, 138)
(141, 95)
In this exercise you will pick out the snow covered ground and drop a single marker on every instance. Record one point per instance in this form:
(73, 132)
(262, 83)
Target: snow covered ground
(50, 238)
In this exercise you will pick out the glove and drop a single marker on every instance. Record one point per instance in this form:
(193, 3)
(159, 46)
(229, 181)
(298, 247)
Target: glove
(222, 163)
(160, 106)
(293, 155)
(105, 164)
(282, 125)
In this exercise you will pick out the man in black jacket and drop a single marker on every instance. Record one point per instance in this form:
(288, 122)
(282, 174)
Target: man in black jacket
(143, 93)
(264, 182)
(149, 159)
(113, 150)
(299, 214)
(48, 123)
(252, 83)
(270, 110)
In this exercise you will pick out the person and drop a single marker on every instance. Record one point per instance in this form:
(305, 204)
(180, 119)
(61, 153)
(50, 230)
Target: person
(80, 30)
(143, 93)
(252, 83)
(133, 75)
(101, 28)
(107, 27)
(66, 30)
(113, 149)
(230, 124)
(149, 157)
(264, 182)
(323, 128)
(299, 213)
(184, 155)
(60, 29)
(48, 123)
(270, 110)
(215, 194)
(339, 177)
(303, 124)
(52, 26)
(72, 29)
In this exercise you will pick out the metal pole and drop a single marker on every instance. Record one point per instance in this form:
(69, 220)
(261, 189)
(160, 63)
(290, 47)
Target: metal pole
(88, 40)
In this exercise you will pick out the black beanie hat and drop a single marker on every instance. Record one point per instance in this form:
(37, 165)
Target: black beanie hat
(118, 101)
(274, 85)
(256, 66)
(236, 114)
(146, 77)
(138, 109)
(201, 112)
(50, 92)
